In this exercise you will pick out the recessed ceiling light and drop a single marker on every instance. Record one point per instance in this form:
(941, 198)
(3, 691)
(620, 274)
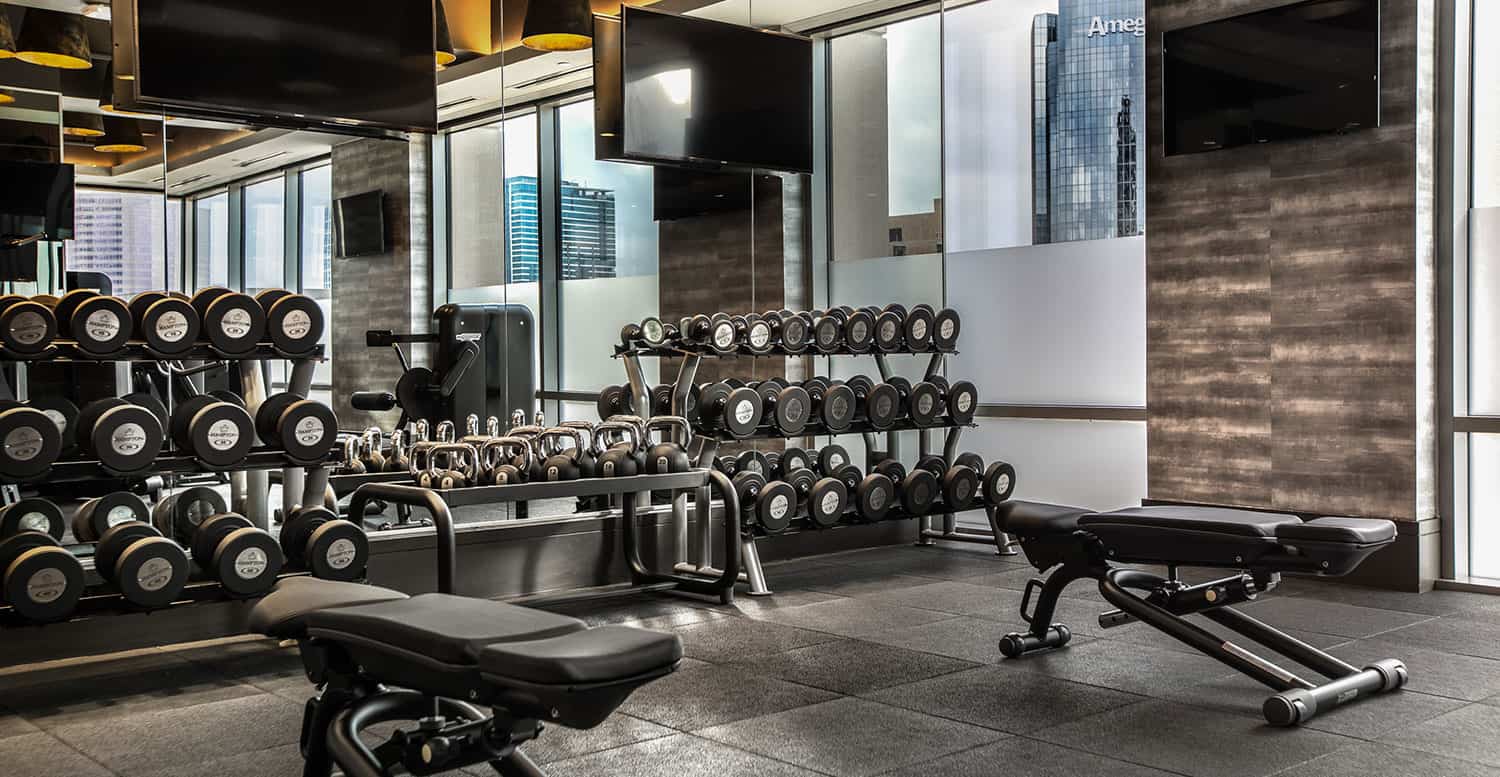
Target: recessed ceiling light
(97, 11)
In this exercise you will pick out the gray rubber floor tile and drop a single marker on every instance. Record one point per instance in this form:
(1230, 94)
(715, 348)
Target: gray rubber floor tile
(38, 754)
(1029, 757)
(1430, 671)
(729, 639)
(1430, 603)
(558, 743)
(1451, 634)
(1471, 733)
(1193, 740)
(102, 690)
(1140, 669)
(851, 737)
(283, 761)
(968, 639)
(1345, 620)
(1003, 698)
(690, 699)
(853, 666)
(851, 617)
(1369, 759)
(681, 755)
(152, 741)
(957, 598)
(1371, 718)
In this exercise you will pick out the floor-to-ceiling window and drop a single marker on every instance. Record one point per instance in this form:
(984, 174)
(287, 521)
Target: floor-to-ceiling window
(211, 239)
(264, 234)
(315, 200)
(987, 156)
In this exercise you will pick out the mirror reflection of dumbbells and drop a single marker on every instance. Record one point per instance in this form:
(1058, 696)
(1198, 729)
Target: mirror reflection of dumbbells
(148, 569)
(226, 546)
(39, 579)
(839, 329)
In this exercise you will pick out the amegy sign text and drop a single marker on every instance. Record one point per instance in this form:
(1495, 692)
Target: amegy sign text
(1102, 26)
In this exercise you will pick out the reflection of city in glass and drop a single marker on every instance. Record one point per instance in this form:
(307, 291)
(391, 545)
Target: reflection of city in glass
(1088, 87)
(123, 235)
(588, 231)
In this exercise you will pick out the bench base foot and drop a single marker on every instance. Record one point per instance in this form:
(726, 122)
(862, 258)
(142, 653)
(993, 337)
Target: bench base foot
(1017, 645)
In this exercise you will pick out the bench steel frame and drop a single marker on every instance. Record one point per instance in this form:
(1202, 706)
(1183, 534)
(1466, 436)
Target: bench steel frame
(1162, 605)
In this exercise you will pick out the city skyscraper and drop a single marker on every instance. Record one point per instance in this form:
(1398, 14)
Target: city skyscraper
(123, 235)
(588, 231)
(1088, 90)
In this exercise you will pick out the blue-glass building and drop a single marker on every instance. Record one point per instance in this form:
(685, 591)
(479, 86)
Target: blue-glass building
(1088, 101)
(588, 231)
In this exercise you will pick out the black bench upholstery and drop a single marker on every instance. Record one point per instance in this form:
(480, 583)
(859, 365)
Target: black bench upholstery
(448, 629)
(283, 614)
(1031, 519)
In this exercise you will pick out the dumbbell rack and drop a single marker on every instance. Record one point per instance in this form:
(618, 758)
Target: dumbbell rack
(438, 502)
(707, 448)
(249, 481)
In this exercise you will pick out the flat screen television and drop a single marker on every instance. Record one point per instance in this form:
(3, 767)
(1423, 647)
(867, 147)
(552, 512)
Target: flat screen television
(359, 224)
(696, 92)
(36, 199)
(682, 193)
(360, 66)
(1310, 68)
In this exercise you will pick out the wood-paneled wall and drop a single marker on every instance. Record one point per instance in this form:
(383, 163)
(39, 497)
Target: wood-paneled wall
(1282, 302)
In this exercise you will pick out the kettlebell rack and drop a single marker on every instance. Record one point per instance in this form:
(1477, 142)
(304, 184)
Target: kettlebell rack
(249, 480)
(708, 444)
(437, 503)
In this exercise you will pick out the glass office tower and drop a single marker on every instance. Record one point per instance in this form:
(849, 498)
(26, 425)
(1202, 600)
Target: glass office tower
(1088, 100)
(588, 231)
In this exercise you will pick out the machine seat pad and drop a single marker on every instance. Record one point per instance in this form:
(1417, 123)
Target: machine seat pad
(1207, 520)
(604, 654)
(1345, 531)
(1031, 519)
(283, 612)
(448, 629)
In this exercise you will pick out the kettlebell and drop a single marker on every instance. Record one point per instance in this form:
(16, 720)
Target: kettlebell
(619, 460)
(584, 454)
(499, 459)
(668, 456)
(396, 462)
(352, 464)
(561, 463)
(372, 458)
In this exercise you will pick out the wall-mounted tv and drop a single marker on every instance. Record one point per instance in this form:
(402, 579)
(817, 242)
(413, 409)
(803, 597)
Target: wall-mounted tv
(1309, 68)
(359, 224)
(360, 66)
(36, 200)
(681, 90)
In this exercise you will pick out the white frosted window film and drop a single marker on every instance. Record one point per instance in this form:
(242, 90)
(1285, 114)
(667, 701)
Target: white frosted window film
(1100, 465)
(1486, 105)
(1484, 311)
(1484, 505)
(1053, 324)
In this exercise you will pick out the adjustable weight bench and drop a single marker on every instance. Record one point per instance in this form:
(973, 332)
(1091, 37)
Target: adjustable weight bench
(478, 677)
(1075, 544)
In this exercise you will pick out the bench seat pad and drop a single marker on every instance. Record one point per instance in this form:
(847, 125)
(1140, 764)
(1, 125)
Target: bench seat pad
(448, 629)
(1034, 519)
(1217, 520)
(283, 612)
(599, 655)
(1344, 531)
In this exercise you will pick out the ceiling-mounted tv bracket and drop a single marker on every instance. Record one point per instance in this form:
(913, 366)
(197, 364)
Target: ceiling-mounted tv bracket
(419, 391)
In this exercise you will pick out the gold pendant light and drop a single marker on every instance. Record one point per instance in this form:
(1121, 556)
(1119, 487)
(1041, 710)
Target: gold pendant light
(558, 25)
(6, 98)
(83, 125)
(121, 136)
(54, 39)
(7, 35)
(444, 53)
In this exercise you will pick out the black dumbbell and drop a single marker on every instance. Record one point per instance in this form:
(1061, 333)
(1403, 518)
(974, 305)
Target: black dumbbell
(753, 461)
(124, 437)
(758, 337)
(892, 469)
(31, 442)
(726, 408)
(723, 334)
(874, 496)
(232, 323)
(39, 579)
(27, 327)
(613, 401)
(775, 507)
(827, 331)
(100, 514)
(794, 458)
(294, 322)
(219, 433)
(833, 404)
(924, 403)
(331, 548)
(302, 428)
(878, 404)
(788, 329)
(824, 499)
(788, 407)
(890, 326)
(960, 400)
(100, 325)
(859, 330)
(918, 491)
(729, 465)
(31, 514)
(830, 458)
(917, 330)
(999, 482)
(651, 332)
(148, 569)
(64, 415)
(178, 516)
(230, 549)
(945, 328)
(960, 487)
(167, 324)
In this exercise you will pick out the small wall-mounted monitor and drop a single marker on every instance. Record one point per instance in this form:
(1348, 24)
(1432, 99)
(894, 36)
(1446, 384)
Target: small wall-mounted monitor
(1309, 68)
(359, 224)
(36, 200)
